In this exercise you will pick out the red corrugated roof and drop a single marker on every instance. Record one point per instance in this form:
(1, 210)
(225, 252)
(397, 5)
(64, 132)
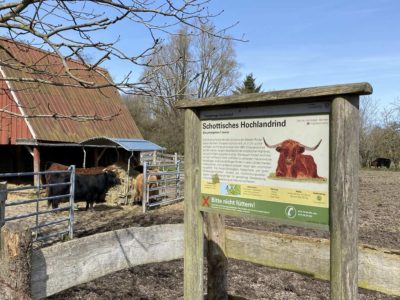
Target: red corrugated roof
(45, 99)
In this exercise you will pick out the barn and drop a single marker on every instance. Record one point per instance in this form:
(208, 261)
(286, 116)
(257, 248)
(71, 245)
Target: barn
(42, 122)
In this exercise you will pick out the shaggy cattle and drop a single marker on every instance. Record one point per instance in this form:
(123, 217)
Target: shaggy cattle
(88, 187)
(152, 179)
(381, 162)
(292, 162)
(52, 166)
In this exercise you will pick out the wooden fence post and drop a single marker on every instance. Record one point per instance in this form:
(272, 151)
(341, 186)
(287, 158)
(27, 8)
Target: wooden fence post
(36, 165)
(194, 232)
(3, 198)
(15, 261)
(217, 282)
(344, 201)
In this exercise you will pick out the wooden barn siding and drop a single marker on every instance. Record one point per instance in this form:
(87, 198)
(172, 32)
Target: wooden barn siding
(65, 265)
(5, 121)
(11, 127)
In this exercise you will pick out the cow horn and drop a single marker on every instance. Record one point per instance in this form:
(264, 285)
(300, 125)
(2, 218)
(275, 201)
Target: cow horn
(271, 146)
(312, 148)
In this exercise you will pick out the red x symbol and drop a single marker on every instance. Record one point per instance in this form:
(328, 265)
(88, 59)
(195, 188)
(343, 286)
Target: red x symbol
(205, 201)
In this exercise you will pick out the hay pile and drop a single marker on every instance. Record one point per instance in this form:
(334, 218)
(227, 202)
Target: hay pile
(117, 194)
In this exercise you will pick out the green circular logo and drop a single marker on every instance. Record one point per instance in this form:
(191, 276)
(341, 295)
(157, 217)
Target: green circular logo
(290, 212)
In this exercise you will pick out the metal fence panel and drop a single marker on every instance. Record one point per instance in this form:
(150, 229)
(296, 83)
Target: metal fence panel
(36, 212)
(157, 157)
(168, 188)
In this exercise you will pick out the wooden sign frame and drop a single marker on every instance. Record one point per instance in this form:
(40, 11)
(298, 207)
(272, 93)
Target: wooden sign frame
(344, 166)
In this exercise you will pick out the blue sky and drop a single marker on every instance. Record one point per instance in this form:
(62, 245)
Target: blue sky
(295, 44)
(309, 43)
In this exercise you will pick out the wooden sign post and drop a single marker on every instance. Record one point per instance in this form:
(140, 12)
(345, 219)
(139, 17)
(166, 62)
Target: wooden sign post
(244, 157)
(344, 197)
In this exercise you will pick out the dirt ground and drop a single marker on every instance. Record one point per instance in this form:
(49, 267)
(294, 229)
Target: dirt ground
(379, 204)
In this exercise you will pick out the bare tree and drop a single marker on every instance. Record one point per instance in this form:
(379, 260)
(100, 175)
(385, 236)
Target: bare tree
(368, 121)
(396, 107)
(391, 115)
(70, 29)
(390, 134)
(196, 63)
(379, 131)
(140, 109)
(170, 74)
(215, 67)
(203, 65)
(162, 129)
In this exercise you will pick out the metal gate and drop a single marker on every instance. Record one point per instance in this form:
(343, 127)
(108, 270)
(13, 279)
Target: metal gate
(44, 223)
(162, 184)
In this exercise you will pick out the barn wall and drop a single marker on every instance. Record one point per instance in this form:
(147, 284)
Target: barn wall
(11, 127)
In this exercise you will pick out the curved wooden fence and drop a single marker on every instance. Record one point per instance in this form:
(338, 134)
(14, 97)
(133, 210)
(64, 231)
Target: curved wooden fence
(59, 267)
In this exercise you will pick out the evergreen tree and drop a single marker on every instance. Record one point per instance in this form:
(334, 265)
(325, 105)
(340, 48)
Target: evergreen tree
(249, 86)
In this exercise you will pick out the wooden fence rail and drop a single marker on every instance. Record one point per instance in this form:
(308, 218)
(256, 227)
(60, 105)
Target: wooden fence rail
(379, 269)
(65, 265)
(59, 267)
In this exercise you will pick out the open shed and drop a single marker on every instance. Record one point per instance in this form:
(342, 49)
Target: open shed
(131, 146)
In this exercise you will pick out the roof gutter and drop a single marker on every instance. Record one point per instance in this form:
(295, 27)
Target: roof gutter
(33, 142)
(15, 98)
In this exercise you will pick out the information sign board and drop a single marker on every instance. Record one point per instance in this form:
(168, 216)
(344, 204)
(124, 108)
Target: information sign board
(275, 166)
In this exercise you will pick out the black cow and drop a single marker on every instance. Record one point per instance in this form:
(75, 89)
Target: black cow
(91, 188)
(381, 162)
